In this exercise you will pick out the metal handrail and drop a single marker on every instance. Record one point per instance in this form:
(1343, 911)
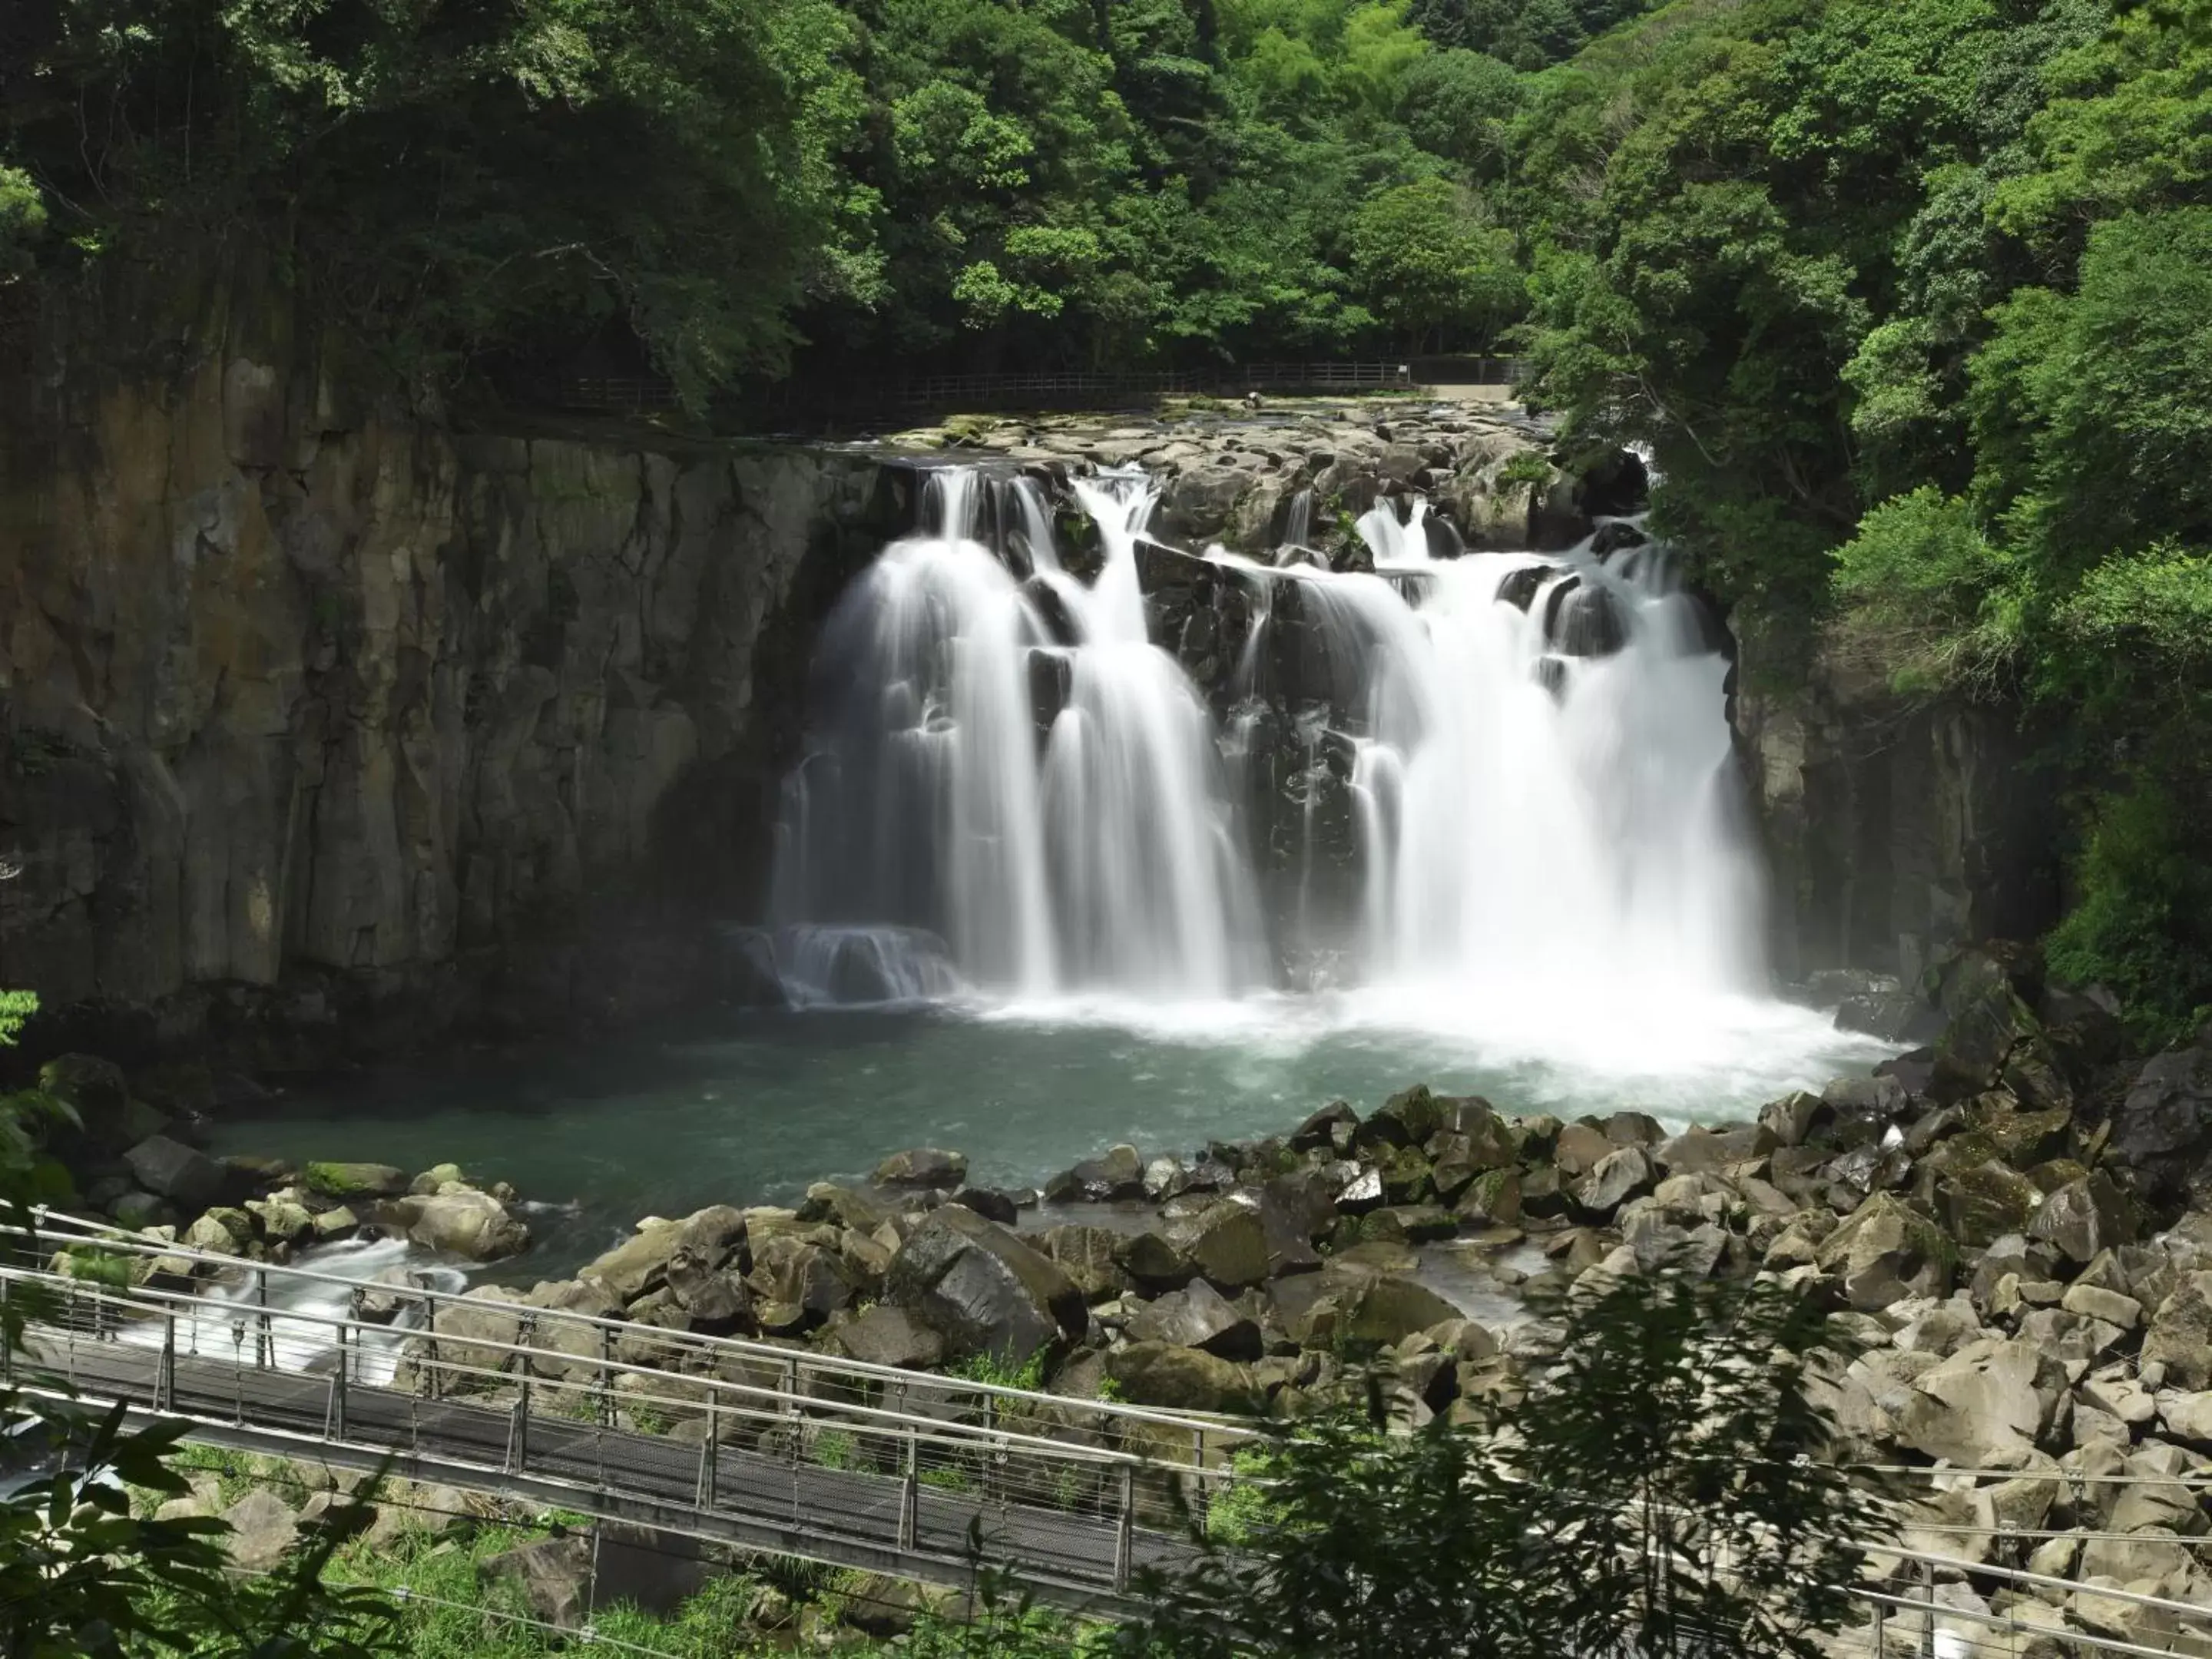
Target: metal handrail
(849, 1413)
(811, 1361)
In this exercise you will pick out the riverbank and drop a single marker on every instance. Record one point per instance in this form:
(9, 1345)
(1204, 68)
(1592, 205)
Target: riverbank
(2013, 1220)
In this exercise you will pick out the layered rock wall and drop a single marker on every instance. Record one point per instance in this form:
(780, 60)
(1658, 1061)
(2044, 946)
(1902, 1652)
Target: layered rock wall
(298, 693)
(1897, 830)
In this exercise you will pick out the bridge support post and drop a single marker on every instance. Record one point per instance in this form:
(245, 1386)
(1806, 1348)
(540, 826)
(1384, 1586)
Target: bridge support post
(1928, 1629)
(264, 1336)
(605, 1400)
(1880, 1632)
(518, 1431)
(1125, 1534)
(909, 1492)
(164, 1381)
(709, 1453)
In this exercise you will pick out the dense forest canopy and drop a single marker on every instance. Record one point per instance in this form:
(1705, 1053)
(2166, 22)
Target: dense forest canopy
(1911, 300)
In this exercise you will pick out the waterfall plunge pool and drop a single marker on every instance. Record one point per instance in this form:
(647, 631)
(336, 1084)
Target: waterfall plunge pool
(595, 1138)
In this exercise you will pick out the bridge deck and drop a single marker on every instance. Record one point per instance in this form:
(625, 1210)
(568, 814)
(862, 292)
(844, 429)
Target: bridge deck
(866, 1518)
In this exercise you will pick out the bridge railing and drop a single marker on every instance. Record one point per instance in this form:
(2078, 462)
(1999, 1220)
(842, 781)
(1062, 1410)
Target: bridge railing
(550, 1382)
(999, 1445)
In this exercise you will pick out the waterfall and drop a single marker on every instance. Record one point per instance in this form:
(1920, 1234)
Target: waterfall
(1012, 787)
(1051, 807)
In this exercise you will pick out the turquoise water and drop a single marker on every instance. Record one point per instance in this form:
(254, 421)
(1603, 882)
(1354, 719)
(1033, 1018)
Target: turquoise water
(606, 1133)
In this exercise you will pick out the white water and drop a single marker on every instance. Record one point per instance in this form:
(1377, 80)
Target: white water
(1104, 853)
(1550, 860)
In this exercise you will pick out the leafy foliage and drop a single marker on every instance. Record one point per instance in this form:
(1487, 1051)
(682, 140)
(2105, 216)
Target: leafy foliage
(1662, 1488)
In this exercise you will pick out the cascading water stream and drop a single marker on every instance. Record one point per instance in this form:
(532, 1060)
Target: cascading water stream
(1013, 782)
(1050, 807)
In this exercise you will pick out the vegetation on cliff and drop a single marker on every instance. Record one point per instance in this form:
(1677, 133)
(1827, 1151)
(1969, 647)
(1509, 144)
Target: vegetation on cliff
(1907, 297)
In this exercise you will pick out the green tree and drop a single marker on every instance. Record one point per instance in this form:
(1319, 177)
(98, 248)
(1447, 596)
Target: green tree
(1663, 1487)
(1430, 267)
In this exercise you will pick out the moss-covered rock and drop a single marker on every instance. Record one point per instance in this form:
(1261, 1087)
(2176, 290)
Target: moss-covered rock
(350, 1181)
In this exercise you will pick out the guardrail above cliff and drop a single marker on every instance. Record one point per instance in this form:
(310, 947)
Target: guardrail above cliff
(957, 393)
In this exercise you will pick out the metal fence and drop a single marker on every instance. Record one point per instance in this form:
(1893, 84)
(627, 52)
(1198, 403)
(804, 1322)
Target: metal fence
(790, 1449)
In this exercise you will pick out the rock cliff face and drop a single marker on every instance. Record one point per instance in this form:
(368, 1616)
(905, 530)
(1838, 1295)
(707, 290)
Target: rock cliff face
(302, 696)
(1897, 830)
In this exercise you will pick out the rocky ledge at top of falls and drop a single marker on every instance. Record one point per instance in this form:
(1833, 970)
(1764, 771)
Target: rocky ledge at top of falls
(1235, 477)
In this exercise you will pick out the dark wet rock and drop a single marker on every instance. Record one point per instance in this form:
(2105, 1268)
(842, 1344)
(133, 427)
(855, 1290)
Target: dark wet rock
(1197, 1317)
(1987, 1202)
(1180, 1379)
(1442, 535)
(922, 1166)
(1491, 1199)
(2162, 1131)
(1117, 1176)
(1407, 1119)
(1519, 588)
(1615, 536)
(1331, 1127)
(989, 1201)
(1585, 621)
(2085, 1217)
(982, 1289)
(1153, 1261)
(170, 1170)
(1227, 1241)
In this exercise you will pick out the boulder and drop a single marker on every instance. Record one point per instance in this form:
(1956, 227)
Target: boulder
(1792, 1119)
(1294, 1210)
(96, 1089)
(1153, 1261)
(462, 1222)
(1384, 1310)
(982, 1288)
(191, 1180)
(2161, 1132)
(1085, 1255)
(263, 1530)
(1331, 1127)
(1981, 1408)
(138, 1210)
(800, 1273)
(2179, 1338)
(1180, 1379)
(988, 1201)
(1582, 1146)
(1198, 1318)
(2187, 1417)
(1408, 1118)
(220, 1231)
(1986, 1202)
(280, 1220)
(890, 1336)
(1227, 1243)
(922, 1166)
(1886, 1250)
(351, 1180)
(476, 1332)
(552, 1577)
(1618, 1177)
(2085, 1217)
(1492, 1199)
(1116, 1177)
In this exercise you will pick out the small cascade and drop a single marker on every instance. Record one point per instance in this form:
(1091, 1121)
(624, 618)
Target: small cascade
(1508, 774)
(1012, 769)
